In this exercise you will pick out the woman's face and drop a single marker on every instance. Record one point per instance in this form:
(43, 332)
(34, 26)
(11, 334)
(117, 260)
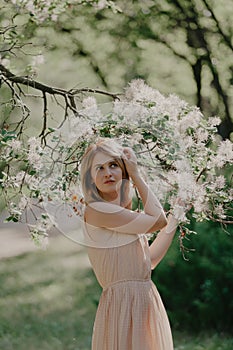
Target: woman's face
(107, 176)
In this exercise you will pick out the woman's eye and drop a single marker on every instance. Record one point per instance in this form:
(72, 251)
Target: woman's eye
(113, 165)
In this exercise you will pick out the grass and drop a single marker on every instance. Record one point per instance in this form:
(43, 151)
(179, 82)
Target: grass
(48, 301)
(203, 341)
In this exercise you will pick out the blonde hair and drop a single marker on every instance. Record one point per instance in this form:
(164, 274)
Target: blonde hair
(111, 148)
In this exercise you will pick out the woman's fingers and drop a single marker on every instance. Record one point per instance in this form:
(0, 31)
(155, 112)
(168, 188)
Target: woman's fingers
(130, 160)
(129, 153)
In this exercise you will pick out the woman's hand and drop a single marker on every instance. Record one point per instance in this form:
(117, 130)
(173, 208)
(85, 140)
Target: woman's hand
(186, 205)
(180, 209)
(130, 161)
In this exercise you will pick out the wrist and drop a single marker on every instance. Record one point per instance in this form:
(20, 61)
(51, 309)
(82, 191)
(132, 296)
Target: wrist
(172, 224)
(135, 176)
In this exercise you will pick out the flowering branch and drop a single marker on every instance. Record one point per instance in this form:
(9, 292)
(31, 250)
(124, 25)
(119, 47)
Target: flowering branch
(11, 80)
(177, 148)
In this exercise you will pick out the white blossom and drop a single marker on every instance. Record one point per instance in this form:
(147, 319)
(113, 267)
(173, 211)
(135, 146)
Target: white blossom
(220, 181)
(90, 109)
(129, 113)
(23, 203)
(200, 204)
(202, 135)
(219, 211)
(34, 144)
(182, 165)
(39, 230)
(89, 102)
(30, 6)
(191, 120)
(139, 91)
(179, 213)
(214, 121)
(187, 186)
(74, 130)
(171, 106)
(15, 145)
(101, 4)
(35, 160)
(223, 155)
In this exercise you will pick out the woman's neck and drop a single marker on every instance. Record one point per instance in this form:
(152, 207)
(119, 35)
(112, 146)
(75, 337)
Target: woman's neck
(113, 198)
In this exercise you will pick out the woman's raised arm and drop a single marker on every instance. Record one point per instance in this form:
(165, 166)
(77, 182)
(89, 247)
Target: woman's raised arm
(115, 217)
(163, 241)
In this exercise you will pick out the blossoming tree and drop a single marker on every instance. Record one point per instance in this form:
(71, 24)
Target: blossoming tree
(179, 150)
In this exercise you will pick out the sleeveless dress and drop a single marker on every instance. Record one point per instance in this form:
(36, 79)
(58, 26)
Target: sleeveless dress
(130, 314)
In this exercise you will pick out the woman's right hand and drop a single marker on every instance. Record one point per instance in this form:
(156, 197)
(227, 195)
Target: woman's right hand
(130, 161)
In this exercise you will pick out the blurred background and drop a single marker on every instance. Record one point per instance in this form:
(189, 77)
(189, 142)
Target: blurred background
(48, 298)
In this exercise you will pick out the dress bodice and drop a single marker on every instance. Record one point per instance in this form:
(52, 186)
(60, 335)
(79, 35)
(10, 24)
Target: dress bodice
(130, 261)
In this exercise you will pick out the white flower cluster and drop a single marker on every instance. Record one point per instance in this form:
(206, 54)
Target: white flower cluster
(39, 230)
(177, 147)
(51, 9)
(44, 9)
(34, 153)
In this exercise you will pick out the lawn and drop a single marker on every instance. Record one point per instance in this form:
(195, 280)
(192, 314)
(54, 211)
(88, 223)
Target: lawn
(48, 301)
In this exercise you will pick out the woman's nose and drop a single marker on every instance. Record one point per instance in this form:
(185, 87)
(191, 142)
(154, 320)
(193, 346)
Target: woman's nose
(107, 172)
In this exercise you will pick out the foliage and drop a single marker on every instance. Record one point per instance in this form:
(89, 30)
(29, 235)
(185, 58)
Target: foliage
(192, 38)
(179, 46)
(197, 294)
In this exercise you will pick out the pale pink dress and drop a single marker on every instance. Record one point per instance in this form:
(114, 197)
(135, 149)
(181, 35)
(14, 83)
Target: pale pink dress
(130, 314)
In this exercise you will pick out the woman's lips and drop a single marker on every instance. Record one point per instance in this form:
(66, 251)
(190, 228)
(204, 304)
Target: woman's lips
(109, 181)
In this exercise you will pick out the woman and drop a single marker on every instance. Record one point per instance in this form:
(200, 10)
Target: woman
(130, 315)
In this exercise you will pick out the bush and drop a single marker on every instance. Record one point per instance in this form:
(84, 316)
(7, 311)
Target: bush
(198, 293)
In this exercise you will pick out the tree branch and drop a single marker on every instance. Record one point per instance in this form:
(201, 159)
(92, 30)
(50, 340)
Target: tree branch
(225, 37)
(32, 83)
(52, 90)
(114, 96)
(42, 134)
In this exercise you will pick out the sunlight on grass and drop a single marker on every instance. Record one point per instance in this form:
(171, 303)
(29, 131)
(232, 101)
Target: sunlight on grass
(48, 301)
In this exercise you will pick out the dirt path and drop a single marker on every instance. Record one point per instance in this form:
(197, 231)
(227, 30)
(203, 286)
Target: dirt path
(15, 240)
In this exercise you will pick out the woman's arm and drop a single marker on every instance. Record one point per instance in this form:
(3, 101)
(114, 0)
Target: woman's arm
(150, 202)
(163, 241)
(117, 218)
